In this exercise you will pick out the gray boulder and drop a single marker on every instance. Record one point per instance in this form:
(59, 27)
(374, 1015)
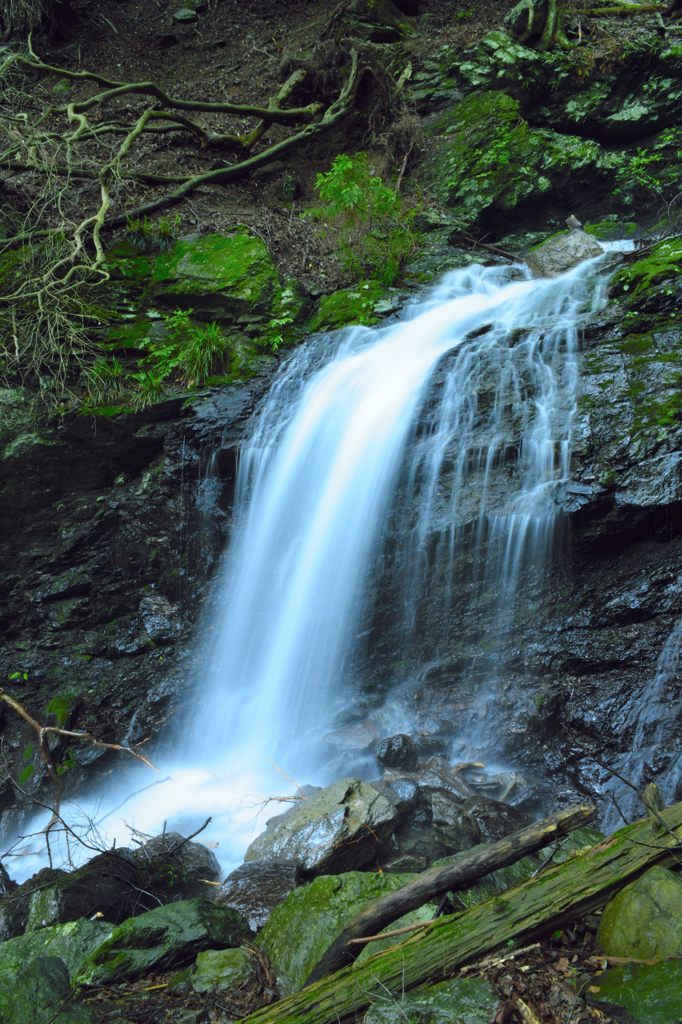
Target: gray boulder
(397, 752)
(256, 888)
(562, 252)
(338, 829)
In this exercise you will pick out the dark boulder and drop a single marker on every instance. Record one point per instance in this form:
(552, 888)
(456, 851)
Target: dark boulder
(397, 752)
(256, 888)
(173, 868)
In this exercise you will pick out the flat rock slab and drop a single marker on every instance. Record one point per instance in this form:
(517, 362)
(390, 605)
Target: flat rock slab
(563, 252)
(338, 829)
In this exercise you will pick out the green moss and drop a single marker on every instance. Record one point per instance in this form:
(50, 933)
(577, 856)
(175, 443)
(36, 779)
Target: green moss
(299, 930)
(11, 266)
(652, 993)
(237, 265)
(611, 230)
(662, 262)
(491, 159)
(361, 304)
(130, 334)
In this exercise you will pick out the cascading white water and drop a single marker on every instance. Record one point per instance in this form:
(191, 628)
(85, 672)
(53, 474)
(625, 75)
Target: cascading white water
(317, 484)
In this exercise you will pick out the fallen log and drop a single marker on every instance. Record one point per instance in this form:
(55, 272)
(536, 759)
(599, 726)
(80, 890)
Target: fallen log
(541, 904)
(464, 869)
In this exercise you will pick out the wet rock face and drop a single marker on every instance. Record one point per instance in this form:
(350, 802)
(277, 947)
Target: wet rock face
(338, 829)
(397, 752)
(128, 518)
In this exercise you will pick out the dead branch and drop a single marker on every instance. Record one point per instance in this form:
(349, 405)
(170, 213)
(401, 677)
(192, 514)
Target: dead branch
(43, 732)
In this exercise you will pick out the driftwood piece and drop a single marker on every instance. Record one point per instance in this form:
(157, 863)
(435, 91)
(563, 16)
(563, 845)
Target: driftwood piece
(541, 904)
(464, 869)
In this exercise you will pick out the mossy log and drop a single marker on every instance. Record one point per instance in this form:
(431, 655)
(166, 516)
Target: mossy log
(538, 905)
(462, 871)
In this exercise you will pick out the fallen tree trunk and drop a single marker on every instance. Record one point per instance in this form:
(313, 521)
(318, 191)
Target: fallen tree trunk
(464, 869)
(541, 904)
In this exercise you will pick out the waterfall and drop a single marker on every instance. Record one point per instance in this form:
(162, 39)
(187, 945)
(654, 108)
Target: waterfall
(452, 423)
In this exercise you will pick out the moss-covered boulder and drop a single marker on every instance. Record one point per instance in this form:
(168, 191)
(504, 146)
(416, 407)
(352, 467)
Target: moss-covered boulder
(222, 969)
(464, 1000)
(363, 303)
(35, 971)
(229, 276)
(338, 829)
(301, 929)
(40, 993)
(491, 166)
(165, 937)
(649, 993)
(72, 943)
(644, 920)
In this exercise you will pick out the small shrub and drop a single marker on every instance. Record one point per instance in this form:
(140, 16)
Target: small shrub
(374, 224)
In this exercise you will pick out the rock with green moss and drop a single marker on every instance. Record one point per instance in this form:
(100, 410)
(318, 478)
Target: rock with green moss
(39, 992)
(461, 1000)
(301, 929)
(17, 416)
(72, 943)
(649, 993)
(222, 969)
(661, 266)
(164, 937)
(490, 165)
(338, 829)
(644, 920)
(230, 277)
(363, 303)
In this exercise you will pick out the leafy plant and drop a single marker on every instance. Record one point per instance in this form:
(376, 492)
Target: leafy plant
(373, 223)
(187, 354)
(61, 707)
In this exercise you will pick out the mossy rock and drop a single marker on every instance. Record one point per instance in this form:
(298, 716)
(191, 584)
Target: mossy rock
(72, 942)
(17, 415)
(662, 263)
(230, 276)
(650, 993)
(39, 992)
(164, 937)
(222, 969)
(612, 229)
(644, 920)
(460, 1000)
(490, 165)
(491, 885)
(363, 304)
(301, 929)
